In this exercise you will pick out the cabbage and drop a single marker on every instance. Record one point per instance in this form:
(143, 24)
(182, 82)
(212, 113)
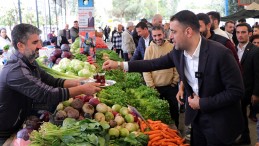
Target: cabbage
(92, 68)
(70, 73)
(64, 63)
(57, 68)
(77, 67)
(42, 59)
(84, 73)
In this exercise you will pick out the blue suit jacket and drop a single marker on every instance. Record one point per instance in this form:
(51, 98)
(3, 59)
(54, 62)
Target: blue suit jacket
(220, 86)
(139, 53)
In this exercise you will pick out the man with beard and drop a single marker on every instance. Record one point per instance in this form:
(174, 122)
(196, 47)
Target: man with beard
(205, 29)
(22, 81)
(164, 81)
(214, 20)
(211, 77)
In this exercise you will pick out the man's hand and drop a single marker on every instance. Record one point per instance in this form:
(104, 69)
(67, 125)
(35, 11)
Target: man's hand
(72, 82)
(109, 64)
(254, 99)
(194, 102)
(180, 93)
(91, 88)
(179, 96)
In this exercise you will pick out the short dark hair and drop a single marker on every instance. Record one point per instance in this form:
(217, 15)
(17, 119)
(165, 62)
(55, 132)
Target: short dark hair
(22, 32)
(249, 28)
(214, 15)
(158, 27)
(254, 37)
(230, 21)
(144, 20)
(203, 17)
(243, 20)
(75, 21)
(188, 19)
(142, 25)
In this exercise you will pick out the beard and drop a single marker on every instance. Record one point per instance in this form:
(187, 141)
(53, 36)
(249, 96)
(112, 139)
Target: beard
(159, 42)
(30, 54)
(204, 33)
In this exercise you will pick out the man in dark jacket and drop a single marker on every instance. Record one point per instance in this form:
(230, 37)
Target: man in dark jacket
(143, 42)
(74, 31)
(205, 26)
(248, 55)
(22, 81)
(212, 79)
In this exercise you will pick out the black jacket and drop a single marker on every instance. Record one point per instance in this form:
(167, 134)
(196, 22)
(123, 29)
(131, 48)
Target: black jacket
(21, 83)
(220, 86)
(250, 71)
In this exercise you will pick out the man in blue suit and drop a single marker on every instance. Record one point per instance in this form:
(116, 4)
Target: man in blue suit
(143, 42)
(211, 77)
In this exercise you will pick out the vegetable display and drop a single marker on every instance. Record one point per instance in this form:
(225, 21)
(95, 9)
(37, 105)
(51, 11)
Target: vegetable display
(86, 132)
(69, 69)
(161, 134)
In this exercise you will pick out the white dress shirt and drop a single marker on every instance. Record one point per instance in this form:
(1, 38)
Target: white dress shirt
(191, 66)
(221, 32)
(240, 51)
(147, 40)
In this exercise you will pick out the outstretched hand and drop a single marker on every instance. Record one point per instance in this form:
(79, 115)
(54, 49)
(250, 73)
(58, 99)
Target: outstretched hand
(110, 64)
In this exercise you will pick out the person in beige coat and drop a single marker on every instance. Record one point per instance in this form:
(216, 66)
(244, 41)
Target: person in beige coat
(128, 46)
(164, 81)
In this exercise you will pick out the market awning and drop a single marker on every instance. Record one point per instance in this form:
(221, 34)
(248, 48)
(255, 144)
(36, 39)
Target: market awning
(251, 11)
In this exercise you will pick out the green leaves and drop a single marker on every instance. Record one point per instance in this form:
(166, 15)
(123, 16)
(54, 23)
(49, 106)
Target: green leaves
(86, 132)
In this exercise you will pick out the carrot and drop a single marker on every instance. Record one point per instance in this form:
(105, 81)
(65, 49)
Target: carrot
(152, 132)
(152, 136)
(166, 136)
(172, 135)
(168, 140)
(171, 130)
(149, 143)
(155, 139)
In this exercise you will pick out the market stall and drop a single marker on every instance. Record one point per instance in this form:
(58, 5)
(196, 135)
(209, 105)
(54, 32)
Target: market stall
(125, 112)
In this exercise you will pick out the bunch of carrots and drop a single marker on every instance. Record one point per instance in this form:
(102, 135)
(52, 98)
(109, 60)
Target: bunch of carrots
(161, 134)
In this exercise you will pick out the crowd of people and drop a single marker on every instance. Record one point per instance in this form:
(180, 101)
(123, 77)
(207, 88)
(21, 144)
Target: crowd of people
(211, 72)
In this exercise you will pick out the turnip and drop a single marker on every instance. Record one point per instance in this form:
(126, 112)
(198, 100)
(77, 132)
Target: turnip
(88, 109)
(124, 111)
(73, 113)
(119, 119)
(131, 127)
(129, 118)
(114, 133)
(124, 132)
(94, 102)
(77, 104)
(109, 116)
(116, 107)
(99, 117)
(60, 115)
(112, 123)
(102, 108)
